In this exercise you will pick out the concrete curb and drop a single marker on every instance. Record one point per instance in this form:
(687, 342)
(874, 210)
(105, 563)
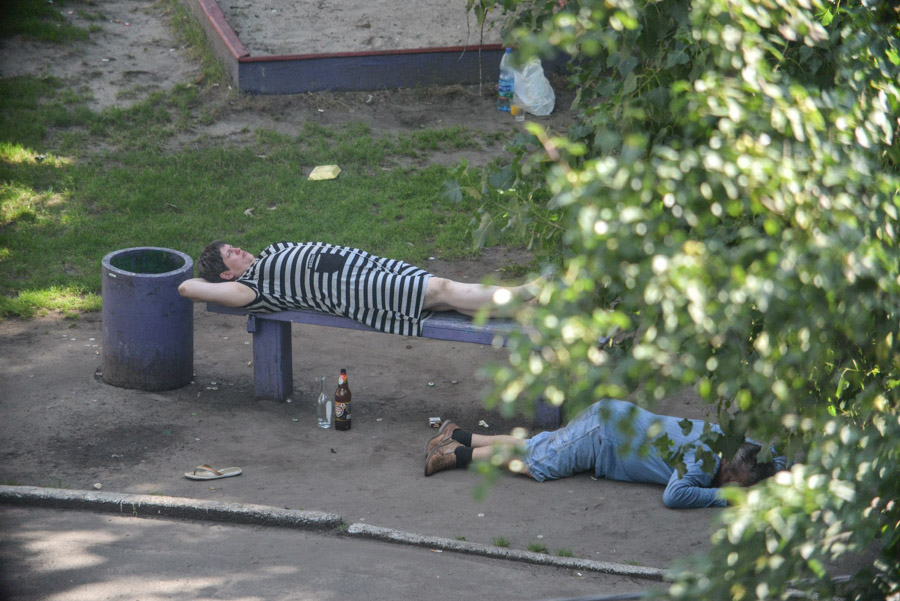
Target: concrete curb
(149, 506)
(447, 544)
(168, 507)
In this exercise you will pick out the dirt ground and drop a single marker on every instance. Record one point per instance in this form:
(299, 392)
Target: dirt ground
(64, 427)
(61, 426)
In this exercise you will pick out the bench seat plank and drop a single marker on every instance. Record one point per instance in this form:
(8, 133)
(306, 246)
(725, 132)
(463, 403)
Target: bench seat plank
(444, 325)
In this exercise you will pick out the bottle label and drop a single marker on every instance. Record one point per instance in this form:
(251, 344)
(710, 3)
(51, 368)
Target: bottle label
(341, 410)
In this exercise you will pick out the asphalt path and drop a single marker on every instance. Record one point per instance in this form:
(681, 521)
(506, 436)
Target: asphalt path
(68, 555)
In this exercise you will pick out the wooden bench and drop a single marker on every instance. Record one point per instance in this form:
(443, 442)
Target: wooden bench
(273, 373)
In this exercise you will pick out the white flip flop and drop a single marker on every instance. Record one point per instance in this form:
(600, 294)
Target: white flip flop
(208, 472)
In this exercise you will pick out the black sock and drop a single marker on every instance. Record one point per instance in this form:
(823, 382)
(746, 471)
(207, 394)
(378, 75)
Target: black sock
(463, 456)
(461, 436)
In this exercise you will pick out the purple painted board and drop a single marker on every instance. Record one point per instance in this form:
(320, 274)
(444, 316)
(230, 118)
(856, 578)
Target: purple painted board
(440, 326)
(366, 71)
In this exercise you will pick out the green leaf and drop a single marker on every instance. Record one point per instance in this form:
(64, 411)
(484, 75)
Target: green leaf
(502, 178)
(451, 191)
(630, 84)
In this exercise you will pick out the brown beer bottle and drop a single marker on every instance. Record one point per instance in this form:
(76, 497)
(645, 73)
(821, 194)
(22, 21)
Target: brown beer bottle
(342, 403)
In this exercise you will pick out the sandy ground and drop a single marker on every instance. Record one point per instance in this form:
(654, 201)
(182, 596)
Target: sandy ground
(282, 27)
(61, 426)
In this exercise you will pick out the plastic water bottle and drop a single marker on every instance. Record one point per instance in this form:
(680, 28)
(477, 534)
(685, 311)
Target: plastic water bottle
(323, 408)
(507, 80)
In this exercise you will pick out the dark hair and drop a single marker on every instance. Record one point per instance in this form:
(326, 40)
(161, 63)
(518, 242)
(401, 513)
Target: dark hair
(210, 264)
(751, 470)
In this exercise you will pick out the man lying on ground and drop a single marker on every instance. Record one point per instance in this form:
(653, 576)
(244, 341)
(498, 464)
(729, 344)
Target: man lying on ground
(388, 295)
(595, 441)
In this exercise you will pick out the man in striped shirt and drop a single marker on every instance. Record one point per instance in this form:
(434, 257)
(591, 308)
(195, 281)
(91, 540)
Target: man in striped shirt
(385, 294)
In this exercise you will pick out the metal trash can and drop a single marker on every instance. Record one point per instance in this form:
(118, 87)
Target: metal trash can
(148, 328)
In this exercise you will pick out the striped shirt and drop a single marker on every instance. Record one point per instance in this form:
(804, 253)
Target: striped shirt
(384, 294)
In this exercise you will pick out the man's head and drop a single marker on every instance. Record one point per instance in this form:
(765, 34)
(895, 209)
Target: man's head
(210, 263)
(221, 262)
(744, 469)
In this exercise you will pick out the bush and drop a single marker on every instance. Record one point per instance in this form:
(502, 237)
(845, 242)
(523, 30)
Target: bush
(726, 209)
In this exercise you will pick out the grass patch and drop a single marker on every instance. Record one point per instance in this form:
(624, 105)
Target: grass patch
(30, 105)
(70, 301)
(564, 553)
(189, 32)
(39, 20)
(537, 547)
(59, 215)
(500, 542)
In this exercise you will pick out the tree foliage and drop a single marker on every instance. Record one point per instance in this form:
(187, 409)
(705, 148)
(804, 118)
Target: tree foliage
(725, 210)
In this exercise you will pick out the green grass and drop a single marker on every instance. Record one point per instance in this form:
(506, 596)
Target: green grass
(60, 215)
(187, 29)
(537, 547)
(500, 542)
(64, 206)
(76, 184)
(564, 553)
(40, 20)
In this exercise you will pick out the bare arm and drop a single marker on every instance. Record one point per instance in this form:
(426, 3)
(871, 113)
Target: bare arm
(230, 294)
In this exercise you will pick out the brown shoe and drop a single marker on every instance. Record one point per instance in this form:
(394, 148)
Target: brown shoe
(441, 437)
(441, 458)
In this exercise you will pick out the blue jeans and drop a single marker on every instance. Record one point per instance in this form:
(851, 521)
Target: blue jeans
(567, 451)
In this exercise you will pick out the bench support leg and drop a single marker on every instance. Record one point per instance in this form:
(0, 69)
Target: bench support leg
(546, 415)
(273, 373)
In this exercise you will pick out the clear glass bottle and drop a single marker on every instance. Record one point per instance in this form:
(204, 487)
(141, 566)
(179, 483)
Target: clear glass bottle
(323, 408)
(507, 82)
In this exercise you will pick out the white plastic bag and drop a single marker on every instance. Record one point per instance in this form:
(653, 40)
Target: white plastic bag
(533, 90)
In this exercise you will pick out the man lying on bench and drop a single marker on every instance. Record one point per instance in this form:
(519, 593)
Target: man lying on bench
(385, 294)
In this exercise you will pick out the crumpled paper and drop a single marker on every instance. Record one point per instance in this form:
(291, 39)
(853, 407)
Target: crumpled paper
(325, 172)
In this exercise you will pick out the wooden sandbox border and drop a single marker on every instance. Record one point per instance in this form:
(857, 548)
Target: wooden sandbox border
(342, 71)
